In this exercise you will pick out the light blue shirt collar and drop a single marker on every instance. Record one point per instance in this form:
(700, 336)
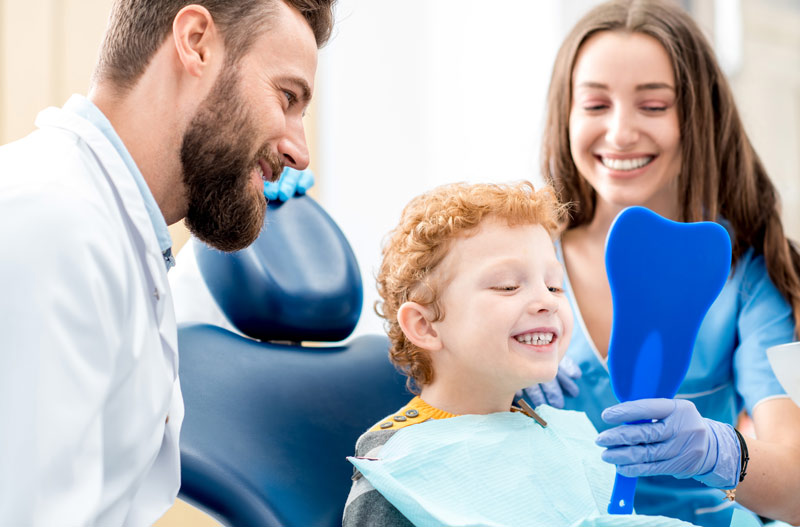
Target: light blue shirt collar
(84, 108)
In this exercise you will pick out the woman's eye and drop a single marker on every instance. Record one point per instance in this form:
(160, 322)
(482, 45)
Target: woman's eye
(595, 107)
(554, 289)
(654, 109)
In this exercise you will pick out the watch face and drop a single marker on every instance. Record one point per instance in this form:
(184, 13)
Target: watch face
(785, 361)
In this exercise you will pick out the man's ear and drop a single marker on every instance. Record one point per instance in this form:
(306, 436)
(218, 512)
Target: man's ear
(196, 39)
(416, 321)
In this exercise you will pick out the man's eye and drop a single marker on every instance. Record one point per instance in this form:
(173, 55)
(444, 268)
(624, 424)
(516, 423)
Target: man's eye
(291, 97)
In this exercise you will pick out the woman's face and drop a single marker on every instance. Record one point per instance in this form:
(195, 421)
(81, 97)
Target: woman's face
(623, 126)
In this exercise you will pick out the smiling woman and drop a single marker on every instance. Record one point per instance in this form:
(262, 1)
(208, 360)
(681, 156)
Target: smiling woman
(624, 130)
(639, 113)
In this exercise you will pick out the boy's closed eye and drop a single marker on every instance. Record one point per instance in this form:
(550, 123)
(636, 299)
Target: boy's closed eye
(505, 288)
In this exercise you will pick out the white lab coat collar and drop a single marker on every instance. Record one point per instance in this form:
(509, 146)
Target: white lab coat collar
(133, 205)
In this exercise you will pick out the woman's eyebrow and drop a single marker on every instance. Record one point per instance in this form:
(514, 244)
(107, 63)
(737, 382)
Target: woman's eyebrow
(654, 86)
(639, 87)
(592, 84)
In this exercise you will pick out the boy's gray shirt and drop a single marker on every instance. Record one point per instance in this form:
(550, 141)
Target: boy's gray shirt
(366, 506)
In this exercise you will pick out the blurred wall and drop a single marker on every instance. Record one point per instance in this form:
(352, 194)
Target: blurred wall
(47, 51)
(767, 88)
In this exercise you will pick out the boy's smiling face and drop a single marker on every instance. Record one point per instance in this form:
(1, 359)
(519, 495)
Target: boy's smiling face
(507, 321)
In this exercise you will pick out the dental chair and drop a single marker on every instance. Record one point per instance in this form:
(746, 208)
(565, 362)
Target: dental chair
(271, 413)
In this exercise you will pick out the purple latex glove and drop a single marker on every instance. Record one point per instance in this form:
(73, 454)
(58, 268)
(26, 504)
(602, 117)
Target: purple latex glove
(552, 392)
(290, 183)
(677, 441)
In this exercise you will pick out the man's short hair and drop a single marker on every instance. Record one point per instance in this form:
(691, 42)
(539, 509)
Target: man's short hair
(136, 29)
(413, 251)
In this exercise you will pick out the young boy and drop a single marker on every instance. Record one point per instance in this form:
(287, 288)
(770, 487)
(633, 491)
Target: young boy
(472, 298)
(475, 311)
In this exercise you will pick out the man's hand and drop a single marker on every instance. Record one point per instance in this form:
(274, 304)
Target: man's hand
(675, 440)
(290, 183)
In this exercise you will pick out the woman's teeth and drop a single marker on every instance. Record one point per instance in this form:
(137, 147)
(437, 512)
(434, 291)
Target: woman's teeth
(537, 339)
(625, 164)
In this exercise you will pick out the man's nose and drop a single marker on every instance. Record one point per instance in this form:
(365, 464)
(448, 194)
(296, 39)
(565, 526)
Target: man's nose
(292, 147)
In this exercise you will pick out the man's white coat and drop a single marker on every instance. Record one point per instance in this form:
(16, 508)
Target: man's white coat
(90, 404)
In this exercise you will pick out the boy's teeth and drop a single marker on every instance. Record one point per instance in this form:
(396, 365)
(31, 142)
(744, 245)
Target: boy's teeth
(625, 164)
(537, 339)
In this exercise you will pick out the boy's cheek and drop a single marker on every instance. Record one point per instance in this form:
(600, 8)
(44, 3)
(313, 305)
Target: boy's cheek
(563, 345)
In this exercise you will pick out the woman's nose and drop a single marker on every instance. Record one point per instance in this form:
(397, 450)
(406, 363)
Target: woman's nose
(621, 131)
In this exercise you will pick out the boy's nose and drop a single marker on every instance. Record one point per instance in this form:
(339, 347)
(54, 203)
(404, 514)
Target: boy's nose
(543, 302)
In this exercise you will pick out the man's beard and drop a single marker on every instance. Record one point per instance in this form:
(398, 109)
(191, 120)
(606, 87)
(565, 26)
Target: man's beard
(224, 209)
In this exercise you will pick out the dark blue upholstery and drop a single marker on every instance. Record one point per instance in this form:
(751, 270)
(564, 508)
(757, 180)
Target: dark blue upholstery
(268, 425)
(298, 281)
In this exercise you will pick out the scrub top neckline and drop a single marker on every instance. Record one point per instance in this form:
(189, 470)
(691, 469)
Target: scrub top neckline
(576, 309)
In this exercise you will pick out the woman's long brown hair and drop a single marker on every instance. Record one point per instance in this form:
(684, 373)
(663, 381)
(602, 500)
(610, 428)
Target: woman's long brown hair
(721, 174)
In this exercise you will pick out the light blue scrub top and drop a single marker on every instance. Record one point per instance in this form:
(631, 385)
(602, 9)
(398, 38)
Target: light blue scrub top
(728, 371)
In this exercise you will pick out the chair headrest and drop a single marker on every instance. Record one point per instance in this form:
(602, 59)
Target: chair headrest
(299, 281)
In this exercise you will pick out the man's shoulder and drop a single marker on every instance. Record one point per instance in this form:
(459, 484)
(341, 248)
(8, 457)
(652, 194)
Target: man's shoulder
(49, 158)
(59, 222)
(41, 146)
(55, 180)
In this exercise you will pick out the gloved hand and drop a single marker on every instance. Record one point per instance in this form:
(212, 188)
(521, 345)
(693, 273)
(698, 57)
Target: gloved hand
(290, 183)
(552, 392)
(676, 441)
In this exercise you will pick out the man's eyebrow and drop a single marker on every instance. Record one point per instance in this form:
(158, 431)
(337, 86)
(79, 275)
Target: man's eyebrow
(639, 87)
(305, 90)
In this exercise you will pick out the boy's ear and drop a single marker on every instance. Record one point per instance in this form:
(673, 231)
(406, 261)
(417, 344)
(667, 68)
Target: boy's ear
(416, 322)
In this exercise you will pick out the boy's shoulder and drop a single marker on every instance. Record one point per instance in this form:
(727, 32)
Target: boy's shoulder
(416, 411)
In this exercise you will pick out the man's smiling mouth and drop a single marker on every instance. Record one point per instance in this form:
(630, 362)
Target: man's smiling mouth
(264, 170)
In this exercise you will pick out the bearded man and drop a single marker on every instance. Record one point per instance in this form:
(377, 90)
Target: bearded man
(192, 107)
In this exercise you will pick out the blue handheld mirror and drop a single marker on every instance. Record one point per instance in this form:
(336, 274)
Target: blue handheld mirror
(664, 276)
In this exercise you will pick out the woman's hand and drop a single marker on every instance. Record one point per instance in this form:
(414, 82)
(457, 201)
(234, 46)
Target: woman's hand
(290, 183)
(674, 440)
